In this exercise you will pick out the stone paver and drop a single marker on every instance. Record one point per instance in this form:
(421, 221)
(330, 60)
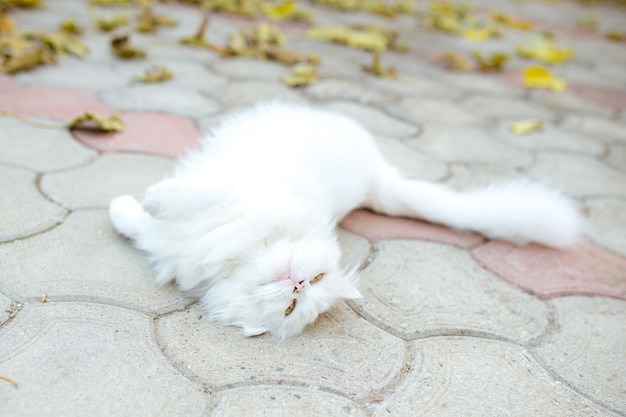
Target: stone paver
(449, 324)
(583, 269)
(419, 289)
(99, 359)
(477, 377)
(84, 259)
(19, 188)
(587, 348)
(151, 133)
(341, 353)
(95, 185)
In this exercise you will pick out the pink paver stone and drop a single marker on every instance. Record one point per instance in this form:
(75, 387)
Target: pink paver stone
(6, 83)
(585, 269)
(605, 96)
(375, 227)
(62, 103)
(148, 133)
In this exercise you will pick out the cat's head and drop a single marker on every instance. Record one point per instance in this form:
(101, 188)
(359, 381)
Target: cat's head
(283, 286)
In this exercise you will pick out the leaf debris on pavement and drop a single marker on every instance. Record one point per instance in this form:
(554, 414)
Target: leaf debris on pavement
(377, 68)
(540, 77)
(95, 122)
(525, 127)
(303, 74)
(154, 74)
(121, 48)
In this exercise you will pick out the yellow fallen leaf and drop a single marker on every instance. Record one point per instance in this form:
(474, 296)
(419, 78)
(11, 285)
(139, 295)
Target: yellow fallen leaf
(511, 21)
(525, 127)
(197, 39)
(477, 34)
(377, 68)
(26, 60)
(154, 74)
(60, 42)
(148, 21)
(278, 11)
(70, 26)
(7, 25)
(364, 39)
(94, 121)
(108, 24)
(26, 3)
(113, 3)
(241, 7)
(490, 63)
(454, 61)
(302, 74)
(542, 48)
(120, 46)
(540, 77)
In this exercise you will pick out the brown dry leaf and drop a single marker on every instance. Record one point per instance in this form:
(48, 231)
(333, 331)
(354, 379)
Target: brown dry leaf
(241, 7)
(24, 58)
(108, 24)
(511, 21)
(60, 42)
(44, 298)
(616, 36)
(70, 26)
(448, 17)
(120, 46)
(490, 63)
(148, 21)
(9, 380)
(93, 121)
(454, 61)
(154, 74)
(542, 48)
(25, 3)
(111, 3)
(380, 7)
(197, 39)
(371, 40)
(7, 24)
(302, 75)
(377, 68)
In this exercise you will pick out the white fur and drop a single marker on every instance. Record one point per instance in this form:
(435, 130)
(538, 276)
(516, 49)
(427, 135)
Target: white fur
(248, 220)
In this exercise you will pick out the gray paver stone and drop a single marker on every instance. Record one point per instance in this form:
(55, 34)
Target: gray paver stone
(506, 107)
(244, 93)
(185, 74)
(459, 376)
(595, 127)
(5, 305)
(340, 352)
(466, 176)
(373, 119)
(282, 401)
(327, 90)
(40, 149)
(23, 210)
(416, 289)
(75, 73)
(410, 161)
(579, 175)
(551, 138)
(84, 259)
(617, 157)
(355, 250)
(588, 348)
(423, 110)
(468, 144)
(80, 359)
(110, 175)
(161, 98)
(241, 68)
(606, 223)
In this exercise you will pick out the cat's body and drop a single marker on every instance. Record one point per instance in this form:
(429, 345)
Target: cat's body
(247, 222)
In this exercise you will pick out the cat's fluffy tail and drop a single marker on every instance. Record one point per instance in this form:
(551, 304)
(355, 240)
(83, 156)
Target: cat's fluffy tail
(519, 212)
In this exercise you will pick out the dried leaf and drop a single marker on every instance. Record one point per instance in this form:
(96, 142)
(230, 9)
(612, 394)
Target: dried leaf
(154, 74)
(616, 36)
(543, 49)
(377, 69)
(26, 3)
(303, 74)
(148, 21)
(26, 59)
(60, 42)
(198, 38)
(70, 26)
(9, 380)
(511, 21)
(540, 77)
(109, 24)
(525, 127)
(111, 3)
(454, 61)
(241, 7)
(93, 121)
(120, 46)
(492, 63)
(364, 39)
(7, 24)
(44, 298)
(278, 11)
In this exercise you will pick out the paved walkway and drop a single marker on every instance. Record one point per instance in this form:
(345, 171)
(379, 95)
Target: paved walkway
(450, 325)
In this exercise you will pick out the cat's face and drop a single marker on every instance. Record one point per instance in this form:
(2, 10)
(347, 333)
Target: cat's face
(282, 288)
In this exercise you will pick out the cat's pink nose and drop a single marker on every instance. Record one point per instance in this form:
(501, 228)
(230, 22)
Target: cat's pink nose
(297, 286)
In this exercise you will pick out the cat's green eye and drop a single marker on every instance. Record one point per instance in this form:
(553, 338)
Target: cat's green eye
(316, 278)
(290, 308)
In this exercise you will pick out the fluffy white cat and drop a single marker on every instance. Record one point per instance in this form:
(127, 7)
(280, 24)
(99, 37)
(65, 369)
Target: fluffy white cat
(248, 222)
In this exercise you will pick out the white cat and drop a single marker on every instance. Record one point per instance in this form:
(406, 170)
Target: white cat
(248, 221)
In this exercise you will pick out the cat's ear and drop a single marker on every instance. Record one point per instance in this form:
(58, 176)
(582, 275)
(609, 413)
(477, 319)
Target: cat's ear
(253, 331)
(346, 290)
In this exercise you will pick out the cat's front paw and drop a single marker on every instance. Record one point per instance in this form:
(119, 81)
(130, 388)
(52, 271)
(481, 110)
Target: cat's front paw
(125, 214)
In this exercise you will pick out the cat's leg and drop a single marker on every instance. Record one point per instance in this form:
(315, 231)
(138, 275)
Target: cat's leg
(129, 218)
(519, 212)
